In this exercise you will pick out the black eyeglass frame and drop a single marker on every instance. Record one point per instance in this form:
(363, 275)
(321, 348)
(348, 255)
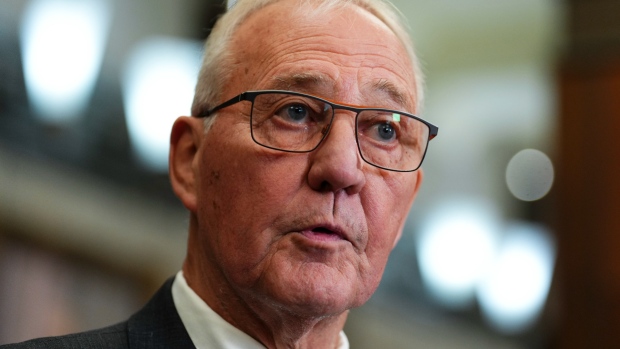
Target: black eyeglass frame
(250, 96)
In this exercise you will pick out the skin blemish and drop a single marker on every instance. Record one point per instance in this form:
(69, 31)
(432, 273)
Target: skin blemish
(215, 177)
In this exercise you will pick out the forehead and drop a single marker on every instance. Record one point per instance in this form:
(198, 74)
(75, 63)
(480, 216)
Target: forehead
(342, 52)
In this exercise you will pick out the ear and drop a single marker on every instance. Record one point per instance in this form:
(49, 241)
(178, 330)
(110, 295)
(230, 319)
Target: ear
(420, 175)
(185, 141)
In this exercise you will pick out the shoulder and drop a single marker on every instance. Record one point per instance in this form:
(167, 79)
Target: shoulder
(157, 325)
(111, 337)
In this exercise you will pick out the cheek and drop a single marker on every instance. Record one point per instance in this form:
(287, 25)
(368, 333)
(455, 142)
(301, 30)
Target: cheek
(253, 188)
(386, 210)
(238, 175)
(243, 190)
(242, 203)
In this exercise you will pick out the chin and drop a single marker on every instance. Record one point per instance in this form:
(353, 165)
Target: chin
(317, 290)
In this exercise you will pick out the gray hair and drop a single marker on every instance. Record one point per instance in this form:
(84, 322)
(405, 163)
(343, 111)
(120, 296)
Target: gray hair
(217, 67)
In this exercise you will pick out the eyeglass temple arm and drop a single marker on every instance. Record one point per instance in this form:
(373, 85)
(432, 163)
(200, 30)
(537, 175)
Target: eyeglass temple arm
(434, 130)
(228, 103)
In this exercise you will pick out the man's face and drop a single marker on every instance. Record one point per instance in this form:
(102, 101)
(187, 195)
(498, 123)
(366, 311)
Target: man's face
(308, 232)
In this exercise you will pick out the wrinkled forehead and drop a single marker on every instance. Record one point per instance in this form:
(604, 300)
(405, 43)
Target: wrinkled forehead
(290, 32)
(315, 17)
(317, 11)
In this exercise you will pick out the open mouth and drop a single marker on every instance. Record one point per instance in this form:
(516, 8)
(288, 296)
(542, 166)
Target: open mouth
(322, 234)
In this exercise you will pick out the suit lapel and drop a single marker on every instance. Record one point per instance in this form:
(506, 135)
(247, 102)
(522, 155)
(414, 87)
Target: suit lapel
(158, 324)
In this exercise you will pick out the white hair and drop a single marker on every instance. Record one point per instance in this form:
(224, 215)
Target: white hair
(217, 62)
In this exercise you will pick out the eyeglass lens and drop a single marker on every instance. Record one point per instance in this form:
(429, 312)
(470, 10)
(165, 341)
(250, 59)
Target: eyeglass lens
(299, 123)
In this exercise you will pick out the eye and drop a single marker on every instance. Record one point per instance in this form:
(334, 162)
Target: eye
(384, 128)
(296, 112)
(385, 132)
(302, 112)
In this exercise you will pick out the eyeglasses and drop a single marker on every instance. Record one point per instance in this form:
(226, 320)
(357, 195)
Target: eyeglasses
(298, 123)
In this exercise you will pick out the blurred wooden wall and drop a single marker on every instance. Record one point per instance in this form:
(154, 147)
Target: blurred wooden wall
(588, 219)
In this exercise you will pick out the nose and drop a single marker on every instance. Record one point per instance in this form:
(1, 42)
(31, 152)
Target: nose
(336, 164)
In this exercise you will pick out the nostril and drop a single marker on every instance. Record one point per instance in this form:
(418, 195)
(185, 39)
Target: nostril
(325, 187)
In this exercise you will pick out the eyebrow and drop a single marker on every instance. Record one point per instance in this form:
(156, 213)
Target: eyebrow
(396, 94)
(305, 82)
(322, 84)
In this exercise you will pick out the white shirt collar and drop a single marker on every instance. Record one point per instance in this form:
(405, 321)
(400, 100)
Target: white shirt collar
(207, 329)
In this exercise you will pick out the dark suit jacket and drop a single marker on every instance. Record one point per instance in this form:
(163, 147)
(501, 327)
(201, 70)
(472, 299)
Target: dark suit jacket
(157, 325)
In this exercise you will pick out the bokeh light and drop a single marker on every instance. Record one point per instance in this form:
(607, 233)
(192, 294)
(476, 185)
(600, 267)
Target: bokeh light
(529, 175)
(158, 86)
(514, 292)
(62, 43)
(455, 248)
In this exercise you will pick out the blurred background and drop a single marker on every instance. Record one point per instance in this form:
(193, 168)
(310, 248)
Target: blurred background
(512, 243)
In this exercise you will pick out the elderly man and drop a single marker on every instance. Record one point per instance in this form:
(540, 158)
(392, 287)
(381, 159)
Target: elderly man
(298, 167)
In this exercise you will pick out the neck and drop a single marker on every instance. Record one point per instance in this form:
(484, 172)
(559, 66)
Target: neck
(271, 324)
(276, 327)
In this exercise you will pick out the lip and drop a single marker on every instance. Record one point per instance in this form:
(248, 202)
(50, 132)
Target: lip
(324, 233)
